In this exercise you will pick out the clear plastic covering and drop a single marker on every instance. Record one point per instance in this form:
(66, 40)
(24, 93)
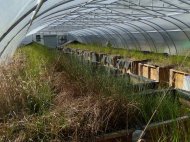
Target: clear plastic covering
(147, 25)
(15, 17)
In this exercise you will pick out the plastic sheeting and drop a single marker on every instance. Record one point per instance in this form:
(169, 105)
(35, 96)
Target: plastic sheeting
(147, 25)
(15, 17)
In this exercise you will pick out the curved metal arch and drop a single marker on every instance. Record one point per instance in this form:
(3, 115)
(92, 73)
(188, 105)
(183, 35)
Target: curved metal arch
(162, 35)
(142, 32)
(59, 16)
(159, 26)
(56, 17)
(109, 34)
(153, 42)
(85, 37)
(4, 48)
(35, 7)
(102, 32)
(52, 7)
(151, 14)
(165, 32)
(130, 35)
(171, 17)
(180, 21)
(96, 32)
(17, 22)
(120, 37)
(91, 33)
(178, 27)
(80, 36)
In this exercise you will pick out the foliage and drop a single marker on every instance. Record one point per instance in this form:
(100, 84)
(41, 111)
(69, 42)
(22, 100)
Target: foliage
(49, 96)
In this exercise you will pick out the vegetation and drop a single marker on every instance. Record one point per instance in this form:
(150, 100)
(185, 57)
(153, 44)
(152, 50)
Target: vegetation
(179, 62)
(49, 96)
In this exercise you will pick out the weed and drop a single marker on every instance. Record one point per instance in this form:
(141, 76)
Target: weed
(49, 96)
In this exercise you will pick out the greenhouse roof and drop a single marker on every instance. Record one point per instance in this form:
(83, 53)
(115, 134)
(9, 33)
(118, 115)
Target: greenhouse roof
(92, 17)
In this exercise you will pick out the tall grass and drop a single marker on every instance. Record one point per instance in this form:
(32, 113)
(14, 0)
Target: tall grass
(26, 92)
(32, 112)
(25, 84)
(49, 96)
(107, 85)
(145, 103)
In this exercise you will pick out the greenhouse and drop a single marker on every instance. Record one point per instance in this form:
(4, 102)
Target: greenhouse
(95, 70)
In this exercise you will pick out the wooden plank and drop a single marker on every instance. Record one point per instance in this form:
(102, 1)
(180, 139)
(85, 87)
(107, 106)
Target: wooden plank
(160, 74)
(145, 71)
(153, 125)
(135, 66)
(177, 71)
(171, 81)
(178, 80)
(155, 130)
(140, 69)
(164, 75)
(115, 135)
(154, 73)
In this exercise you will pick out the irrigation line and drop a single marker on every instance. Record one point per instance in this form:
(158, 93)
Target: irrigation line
(161, 100)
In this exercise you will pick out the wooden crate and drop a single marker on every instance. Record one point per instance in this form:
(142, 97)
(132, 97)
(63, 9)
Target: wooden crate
(135, 65)
(149, 71)
(179, 80)
(160, 74)
(129, 66)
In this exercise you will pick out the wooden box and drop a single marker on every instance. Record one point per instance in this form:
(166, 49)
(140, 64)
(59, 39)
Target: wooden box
(135, 66)
(153, 72)
(180, 80)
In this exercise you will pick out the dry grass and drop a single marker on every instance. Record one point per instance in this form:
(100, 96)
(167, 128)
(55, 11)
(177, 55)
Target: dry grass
(89, 114)
(78, 112)
(12, 87)
(45, 96)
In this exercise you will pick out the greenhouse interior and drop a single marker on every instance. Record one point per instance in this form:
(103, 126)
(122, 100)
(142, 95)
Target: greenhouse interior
(95, 70)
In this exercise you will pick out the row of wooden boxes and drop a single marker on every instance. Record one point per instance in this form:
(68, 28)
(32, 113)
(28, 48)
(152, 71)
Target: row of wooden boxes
(165, 75)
